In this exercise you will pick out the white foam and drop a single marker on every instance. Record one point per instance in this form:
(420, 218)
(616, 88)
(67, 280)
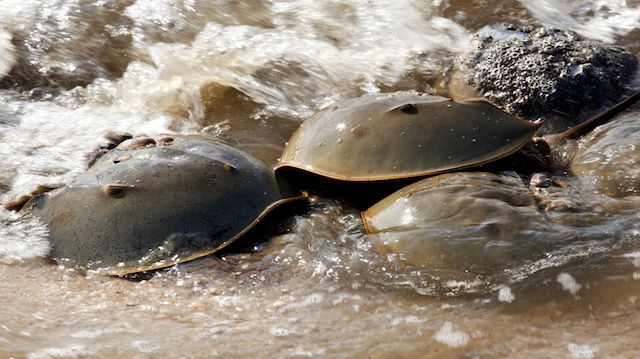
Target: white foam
(50, 143)
(7, 53)
(69, 351)
(154, 18)
(578, 351)
(17, 12)
(505, 295)
(330, 55)
(596, 19)
(21, 238)
(447, 336)
(568, 283)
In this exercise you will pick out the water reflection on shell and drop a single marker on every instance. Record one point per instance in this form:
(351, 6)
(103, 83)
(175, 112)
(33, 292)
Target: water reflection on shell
(609, 157)
(476, 221)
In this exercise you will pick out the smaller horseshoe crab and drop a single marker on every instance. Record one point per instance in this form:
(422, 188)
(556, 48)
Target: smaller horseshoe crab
(608, 158)
(406, 135)
(474, 221)
(151, 203)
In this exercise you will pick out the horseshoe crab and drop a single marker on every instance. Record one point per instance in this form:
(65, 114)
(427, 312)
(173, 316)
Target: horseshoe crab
(406, 135)
(480, 221)
(151, 203)
(608, 158)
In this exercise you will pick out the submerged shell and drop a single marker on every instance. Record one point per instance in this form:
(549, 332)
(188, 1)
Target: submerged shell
(402, 135)
(146, 205)
(610, 157)
(461, 221)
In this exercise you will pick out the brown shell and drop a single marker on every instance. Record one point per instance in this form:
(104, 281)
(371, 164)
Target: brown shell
(403, 135)
(609, 156)
(462, 220)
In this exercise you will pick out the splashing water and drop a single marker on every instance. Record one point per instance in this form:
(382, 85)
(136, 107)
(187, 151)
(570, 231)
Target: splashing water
(21, 239)
(72, 70)
(596, 19)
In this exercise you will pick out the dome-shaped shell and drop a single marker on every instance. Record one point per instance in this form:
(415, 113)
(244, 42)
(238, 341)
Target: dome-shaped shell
(609, 157)
(462, 221)
(151, 204)
(403, 135)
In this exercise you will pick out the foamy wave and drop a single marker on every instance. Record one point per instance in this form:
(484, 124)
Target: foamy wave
(65, 43)
(21, 238)
(597, 19)
(50, 142)
(7, 57)
(308, 53)
(16, 12)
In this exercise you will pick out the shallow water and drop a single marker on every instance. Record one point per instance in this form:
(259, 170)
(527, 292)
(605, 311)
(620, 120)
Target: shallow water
(307, 283)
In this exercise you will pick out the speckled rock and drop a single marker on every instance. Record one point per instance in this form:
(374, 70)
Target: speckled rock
(543, 71)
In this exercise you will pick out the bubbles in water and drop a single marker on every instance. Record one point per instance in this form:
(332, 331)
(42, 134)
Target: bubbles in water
(568, 283)
(505, 295)
(448, 336)
(578, 351)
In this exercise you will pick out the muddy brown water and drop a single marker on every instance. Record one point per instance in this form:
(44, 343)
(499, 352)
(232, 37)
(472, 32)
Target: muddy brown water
(307, 283)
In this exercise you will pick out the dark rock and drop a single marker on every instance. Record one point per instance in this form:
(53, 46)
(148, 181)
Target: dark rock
(546, 72)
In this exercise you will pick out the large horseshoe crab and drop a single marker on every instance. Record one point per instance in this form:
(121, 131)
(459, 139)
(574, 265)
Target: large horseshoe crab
(151, 203)
(405, 135)
(402, 135)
